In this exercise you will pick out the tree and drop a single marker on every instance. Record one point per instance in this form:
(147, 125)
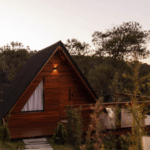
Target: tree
(60, 135)
(121, 41)
(138, 111)
(12, 59)
(95, 125)
(79, 50)
(76, 47)
(74, 126)
(101, 78)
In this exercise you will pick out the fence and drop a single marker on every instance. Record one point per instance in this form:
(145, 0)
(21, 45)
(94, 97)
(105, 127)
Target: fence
(108, 120)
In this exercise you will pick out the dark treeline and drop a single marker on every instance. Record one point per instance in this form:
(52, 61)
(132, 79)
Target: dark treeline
(103, 66)
(105, 74)
(12, 59)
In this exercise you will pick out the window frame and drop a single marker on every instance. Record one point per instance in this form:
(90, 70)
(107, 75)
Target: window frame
(43, 100)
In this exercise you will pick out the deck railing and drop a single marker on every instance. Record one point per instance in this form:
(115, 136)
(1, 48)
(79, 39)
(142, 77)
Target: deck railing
(123, 117)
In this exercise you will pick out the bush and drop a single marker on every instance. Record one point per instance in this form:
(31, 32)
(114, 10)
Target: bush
(4, 134)
(124, 143)
(1, 133)
(60, 135)
(74, 126)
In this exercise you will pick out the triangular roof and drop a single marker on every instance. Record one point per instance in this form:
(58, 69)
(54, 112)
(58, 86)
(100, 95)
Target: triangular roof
(28, 73)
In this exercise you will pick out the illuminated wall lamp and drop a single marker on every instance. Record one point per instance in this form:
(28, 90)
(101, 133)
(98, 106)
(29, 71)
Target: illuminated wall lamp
(55, 68)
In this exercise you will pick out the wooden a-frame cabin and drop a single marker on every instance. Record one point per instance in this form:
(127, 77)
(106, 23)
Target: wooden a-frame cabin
(37, 97)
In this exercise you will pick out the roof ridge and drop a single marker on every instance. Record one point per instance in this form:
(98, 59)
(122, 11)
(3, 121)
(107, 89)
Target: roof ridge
(51, 45)
(40, 51)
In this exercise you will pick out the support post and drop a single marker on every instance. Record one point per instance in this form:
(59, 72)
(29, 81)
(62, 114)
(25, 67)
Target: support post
(118, 144)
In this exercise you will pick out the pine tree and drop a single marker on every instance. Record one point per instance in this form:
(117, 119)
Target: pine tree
(137, 110)
(60, 135)
(74, 126)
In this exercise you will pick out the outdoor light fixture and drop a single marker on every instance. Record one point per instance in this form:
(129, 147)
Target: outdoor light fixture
(55, 68)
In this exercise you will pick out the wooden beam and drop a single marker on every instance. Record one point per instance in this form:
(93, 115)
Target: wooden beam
(132, 95)
(121, 104)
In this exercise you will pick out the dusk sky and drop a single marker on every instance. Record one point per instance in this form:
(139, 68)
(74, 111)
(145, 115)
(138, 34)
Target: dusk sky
(40, 23)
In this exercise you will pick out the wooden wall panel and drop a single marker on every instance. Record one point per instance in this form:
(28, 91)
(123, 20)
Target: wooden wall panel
(48, 68)
(26, 126)
(53, 107)
(65, 99)
(33, 120)
(53, 93)
(33, 131)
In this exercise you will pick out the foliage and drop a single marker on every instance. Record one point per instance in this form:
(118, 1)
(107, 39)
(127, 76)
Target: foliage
(84, 63)
(4, 134)
(60, 135)
(124, 143)
(12, 60)
(74, 126)
(56, 146)
(137, 110)
(96, 138)
(76, 47)
(79, 50)
(1, 132)
(121, 41)
(13, 57)
(12, 145)
(4, 131)
(101, 78)
(95, 126)
(101, 74)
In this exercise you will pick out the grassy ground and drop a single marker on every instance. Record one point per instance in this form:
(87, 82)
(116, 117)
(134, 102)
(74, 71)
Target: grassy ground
(59, 147)
(12, 145)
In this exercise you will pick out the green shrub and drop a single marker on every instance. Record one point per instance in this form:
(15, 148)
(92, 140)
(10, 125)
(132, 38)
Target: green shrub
(74, 126)
(1, 133)
(124, 143)
(5, 134)
(90, 146)
(60, 135)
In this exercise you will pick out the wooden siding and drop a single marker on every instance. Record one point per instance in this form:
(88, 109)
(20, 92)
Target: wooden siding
(57, 84)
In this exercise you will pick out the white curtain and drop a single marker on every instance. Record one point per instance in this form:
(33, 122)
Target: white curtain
(35, 102)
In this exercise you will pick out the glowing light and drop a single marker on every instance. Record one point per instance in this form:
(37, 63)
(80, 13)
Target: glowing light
(55, 68)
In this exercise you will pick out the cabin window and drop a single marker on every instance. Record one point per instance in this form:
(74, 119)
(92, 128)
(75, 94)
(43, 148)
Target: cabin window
(35, 102)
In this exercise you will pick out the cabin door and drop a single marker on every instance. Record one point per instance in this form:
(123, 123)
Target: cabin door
(66, 94)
